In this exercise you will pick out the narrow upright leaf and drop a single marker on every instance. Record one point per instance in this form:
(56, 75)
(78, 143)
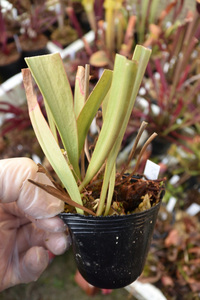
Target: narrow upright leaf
(50, 76)
(92, 105)
(121, 90)
(79, 96)
(51, 122)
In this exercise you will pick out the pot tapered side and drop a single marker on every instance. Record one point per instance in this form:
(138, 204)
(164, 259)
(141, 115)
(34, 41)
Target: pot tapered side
(110, 252)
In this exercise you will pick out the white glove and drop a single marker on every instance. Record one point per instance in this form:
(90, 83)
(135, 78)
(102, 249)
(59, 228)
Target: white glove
(28, 226)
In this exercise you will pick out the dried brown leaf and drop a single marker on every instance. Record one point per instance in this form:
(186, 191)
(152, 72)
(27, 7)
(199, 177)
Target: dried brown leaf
(61, 195)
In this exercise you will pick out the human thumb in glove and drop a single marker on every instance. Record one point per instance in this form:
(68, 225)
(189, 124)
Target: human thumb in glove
(28, 223)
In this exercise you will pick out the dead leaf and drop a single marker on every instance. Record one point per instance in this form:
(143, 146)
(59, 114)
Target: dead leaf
(99, 59)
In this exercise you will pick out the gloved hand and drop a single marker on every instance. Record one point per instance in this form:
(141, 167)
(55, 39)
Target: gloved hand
(28, 226)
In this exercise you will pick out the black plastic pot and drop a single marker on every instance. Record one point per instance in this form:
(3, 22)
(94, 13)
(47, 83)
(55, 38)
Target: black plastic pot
(160, 146)
(26, 53)
(110, 252)
(9, 70)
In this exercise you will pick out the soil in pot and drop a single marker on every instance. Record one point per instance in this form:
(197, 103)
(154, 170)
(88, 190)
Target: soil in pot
(63, 36)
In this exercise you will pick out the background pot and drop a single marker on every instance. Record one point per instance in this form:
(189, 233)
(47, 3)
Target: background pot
(160, 146)
(10, 69)
(10, 63)
(33, 47)
(110, 252)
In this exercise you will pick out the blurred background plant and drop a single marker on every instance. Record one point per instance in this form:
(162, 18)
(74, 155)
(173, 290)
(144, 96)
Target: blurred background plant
(169, 99)
(126, 23)
(17, 137)
(35, 18)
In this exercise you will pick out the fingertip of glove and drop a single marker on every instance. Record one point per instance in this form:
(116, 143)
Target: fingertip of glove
(54, 224)
(58, 243)
(35, 261)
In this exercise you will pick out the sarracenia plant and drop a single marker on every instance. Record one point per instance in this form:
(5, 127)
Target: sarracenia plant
(71, 117)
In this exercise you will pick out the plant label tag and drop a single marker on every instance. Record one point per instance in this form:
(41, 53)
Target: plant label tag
(193, 209)
(145, 291)
(171, 204)
(151, 170)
